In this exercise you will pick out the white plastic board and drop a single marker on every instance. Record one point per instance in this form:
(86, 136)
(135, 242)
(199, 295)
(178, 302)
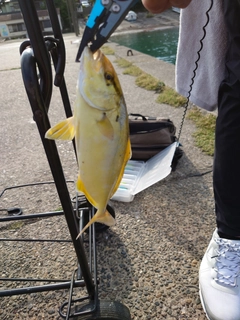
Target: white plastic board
(139, 175)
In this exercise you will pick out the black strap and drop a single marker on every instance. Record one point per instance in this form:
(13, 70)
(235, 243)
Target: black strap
(138, 115)
(142, 127)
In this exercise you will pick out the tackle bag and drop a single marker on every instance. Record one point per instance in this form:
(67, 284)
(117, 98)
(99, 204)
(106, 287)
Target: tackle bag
(150, 135)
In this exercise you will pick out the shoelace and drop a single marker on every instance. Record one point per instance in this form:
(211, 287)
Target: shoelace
(227, 262)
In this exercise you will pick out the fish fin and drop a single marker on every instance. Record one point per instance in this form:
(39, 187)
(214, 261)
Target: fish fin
(79, 184)
(127, 156)
(81, 188)
(105, 127)
(64, 130)
(105, 218)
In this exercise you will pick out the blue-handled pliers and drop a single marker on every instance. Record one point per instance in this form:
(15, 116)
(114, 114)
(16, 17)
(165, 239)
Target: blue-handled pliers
(105, 17)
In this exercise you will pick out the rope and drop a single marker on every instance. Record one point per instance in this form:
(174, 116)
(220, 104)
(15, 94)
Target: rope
(194, 71)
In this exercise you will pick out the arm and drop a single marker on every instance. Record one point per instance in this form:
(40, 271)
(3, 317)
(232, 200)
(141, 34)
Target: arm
(157, 6)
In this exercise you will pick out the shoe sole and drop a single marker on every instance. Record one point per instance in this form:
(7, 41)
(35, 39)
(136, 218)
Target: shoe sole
(203, 304)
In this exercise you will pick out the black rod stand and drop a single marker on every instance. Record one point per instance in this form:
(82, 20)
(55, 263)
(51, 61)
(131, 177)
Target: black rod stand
(39, 95)
(42, 288)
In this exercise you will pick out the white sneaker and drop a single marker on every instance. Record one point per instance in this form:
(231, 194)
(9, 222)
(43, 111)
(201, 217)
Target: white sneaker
(219, 279)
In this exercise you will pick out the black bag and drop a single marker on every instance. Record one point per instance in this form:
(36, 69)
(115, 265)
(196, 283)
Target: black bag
(150, 135)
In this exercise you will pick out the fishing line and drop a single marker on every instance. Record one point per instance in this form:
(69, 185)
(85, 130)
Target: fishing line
(194, 70)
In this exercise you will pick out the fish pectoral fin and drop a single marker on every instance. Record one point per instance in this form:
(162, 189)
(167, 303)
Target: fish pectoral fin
(105, 127)
(64, 130)
(105, 218)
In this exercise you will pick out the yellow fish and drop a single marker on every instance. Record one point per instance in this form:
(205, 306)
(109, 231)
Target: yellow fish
(101, 130)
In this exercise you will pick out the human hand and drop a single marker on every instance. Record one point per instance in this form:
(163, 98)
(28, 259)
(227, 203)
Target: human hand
(157, 6)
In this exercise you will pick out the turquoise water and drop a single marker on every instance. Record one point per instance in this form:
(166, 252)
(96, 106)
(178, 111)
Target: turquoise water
(161, 44)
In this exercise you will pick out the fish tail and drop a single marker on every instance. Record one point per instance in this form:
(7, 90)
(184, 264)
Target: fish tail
(105, 218)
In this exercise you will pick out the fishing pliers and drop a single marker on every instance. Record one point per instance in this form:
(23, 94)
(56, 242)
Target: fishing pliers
(105, 17)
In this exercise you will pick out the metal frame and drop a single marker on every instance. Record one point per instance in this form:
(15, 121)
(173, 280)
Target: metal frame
(36, 54)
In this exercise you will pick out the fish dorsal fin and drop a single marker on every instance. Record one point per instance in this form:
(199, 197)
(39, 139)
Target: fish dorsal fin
(127, 156)
(102, 217)
(105, 127)
(64, 130)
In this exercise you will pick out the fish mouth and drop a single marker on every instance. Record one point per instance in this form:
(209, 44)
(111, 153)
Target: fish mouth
(92, 55)
(89, 56)
(97, 55)
(88, 61)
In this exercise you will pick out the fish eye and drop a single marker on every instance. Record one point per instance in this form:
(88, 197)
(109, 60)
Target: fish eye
(108, 76)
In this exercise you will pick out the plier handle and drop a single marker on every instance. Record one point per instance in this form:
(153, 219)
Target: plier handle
(105, 17)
